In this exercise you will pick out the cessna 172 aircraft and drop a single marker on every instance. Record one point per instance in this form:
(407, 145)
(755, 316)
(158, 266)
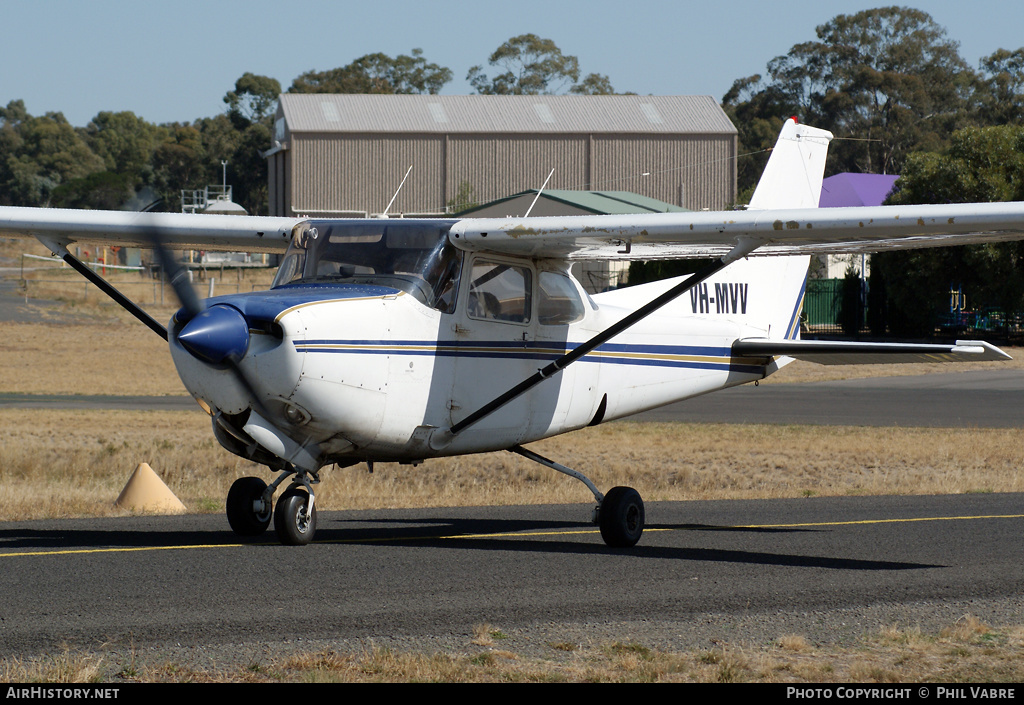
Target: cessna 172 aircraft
(403, 340)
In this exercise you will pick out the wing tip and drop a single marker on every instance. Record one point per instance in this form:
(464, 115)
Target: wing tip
(980, 347)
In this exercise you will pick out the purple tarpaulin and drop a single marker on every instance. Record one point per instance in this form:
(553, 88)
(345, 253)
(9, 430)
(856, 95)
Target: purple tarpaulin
(855, 190)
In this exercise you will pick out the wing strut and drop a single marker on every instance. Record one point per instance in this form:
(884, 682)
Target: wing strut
(108, 289)
(742, 249)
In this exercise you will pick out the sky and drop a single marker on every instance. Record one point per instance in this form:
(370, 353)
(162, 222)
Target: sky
(174, 61)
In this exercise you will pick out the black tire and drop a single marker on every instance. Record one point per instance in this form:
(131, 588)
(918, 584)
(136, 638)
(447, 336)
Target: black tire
(621, 517)
(290, 521)
(242, 516)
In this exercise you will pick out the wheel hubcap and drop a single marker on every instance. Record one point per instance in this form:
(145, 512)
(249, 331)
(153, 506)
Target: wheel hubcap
(302, 521)
(260, 509)
(632, 517)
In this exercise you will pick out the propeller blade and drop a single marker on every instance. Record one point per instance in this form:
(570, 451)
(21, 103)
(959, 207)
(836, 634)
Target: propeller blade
(199, 338)
(176, 275)
(219, 336)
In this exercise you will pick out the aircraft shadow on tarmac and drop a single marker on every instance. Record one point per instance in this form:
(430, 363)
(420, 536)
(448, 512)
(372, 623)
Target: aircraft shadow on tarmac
(443, 533)
(487, 535)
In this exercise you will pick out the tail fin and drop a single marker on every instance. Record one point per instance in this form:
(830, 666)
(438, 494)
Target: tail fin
(792, 179)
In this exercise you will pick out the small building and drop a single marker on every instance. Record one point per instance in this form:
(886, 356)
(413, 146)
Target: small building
(345, 155)
(595, 276)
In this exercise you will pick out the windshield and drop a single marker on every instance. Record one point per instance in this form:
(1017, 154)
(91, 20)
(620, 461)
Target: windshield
(412, 256)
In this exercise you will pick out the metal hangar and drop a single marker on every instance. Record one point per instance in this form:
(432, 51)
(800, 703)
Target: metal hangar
(345, 155)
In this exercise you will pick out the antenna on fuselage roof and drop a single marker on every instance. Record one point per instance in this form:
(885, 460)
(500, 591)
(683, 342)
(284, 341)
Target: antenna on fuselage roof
(385, 213)
(538, 194)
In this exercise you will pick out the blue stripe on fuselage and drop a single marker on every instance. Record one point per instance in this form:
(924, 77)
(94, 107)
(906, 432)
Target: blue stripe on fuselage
(691, 356)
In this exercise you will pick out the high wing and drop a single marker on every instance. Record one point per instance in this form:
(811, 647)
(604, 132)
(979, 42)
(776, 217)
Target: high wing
(596, 237)
(177, 230)
(776, 232)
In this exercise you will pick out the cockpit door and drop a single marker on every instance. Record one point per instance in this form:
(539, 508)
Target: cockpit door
(492, 344)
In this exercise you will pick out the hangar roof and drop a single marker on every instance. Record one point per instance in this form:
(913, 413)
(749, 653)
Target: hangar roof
(597, 202)
(321, 112)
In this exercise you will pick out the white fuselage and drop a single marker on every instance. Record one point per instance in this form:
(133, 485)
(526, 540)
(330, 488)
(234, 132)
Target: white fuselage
(375, 377)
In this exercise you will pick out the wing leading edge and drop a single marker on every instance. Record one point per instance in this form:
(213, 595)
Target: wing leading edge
(778, 232)
(176, 230)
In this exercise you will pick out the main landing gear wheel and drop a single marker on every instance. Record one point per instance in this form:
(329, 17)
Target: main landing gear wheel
(621, 517)
(294, 526)
(248, 513)
(620, 513)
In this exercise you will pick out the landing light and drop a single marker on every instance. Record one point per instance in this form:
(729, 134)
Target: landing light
(295, 415)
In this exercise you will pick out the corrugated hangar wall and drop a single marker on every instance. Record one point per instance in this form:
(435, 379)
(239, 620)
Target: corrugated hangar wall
(361, 172)
(332, 169)
(500, 165)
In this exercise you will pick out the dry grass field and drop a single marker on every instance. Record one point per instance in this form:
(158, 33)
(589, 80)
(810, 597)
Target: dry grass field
(74, 463)
(893, 657)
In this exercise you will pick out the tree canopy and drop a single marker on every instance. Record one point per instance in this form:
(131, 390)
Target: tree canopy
(1000, 96)
(981, 164)
(39, 154)
(887, 82)
(253, 99)
(530, 65)
(45, 161)
(377, 73)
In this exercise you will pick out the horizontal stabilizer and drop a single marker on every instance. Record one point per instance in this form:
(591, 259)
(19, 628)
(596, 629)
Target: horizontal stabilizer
(825, 352)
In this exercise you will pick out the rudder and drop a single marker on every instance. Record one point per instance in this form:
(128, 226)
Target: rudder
(791, 179)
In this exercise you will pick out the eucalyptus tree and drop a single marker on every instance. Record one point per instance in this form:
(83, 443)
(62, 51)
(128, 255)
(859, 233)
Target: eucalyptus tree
(377, 73)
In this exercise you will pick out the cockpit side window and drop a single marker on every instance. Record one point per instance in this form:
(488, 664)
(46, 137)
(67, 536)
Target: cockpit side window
(499, 292)
(559, 302)
(291, 267)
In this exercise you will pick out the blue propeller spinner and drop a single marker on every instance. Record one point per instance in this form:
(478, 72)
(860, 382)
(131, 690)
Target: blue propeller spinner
(218, 335)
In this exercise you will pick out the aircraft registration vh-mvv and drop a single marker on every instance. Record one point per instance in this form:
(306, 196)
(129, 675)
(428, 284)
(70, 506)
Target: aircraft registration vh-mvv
(408, 339)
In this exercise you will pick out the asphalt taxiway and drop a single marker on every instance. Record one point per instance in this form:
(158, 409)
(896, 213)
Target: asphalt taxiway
(980, 399)
(829, 568)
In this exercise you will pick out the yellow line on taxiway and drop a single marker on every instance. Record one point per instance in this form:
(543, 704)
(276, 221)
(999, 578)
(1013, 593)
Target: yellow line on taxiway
(876, 521)
(134, 549)
(512, 535)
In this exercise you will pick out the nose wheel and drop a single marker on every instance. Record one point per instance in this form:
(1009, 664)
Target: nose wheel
(295, 517)
(250, 505)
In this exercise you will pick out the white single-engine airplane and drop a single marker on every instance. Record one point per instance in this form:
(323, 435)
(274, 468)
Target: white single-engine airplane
(402, 340)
